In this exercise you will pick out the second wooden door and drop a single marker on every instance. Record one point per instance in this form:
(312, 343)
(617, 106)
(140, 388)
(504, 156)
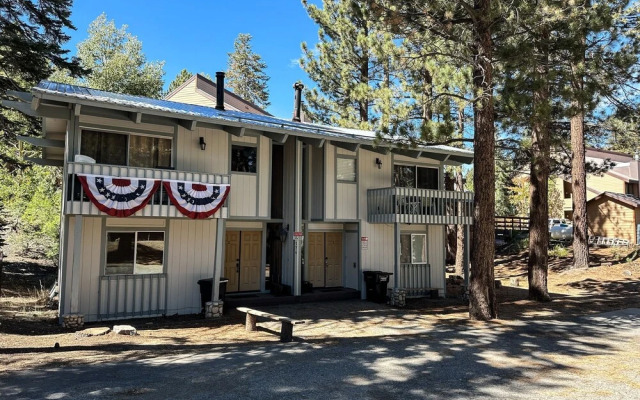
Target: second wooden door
(324, 263)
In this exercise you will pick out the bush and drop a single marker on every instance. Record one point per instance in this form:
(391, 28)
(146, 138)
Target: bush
(559, 251)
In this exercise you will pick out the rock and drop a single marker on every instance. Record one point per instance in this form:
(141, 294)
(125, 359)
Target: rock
(124, 330)
(93, 332)
(626, 272)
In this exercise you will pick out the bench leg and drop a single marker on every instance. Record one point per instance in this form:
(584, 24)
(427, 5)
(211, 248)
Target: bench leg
(286, 332)
(250, 324)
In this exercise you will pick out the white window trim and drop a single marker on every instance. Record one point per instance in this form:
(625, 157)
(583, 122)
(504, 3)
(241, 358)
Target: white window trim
(135, 249)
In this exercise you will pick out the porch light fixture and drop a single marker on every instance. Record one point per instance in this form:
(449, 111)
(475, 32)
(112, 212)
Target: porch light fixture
(203, 145)
(284, 232)
(379, 163)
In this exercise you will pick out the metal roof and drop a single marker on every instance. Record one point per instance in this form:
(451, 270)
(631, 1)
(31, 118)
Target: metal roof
(69, 93)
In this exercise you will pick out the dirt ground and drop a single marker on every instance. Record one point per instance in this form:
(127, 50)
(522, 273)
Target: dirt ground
(30, 337)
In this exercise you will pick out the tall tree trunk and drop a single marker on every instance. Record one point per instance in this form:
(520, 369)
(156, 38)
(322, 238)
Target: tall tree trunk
(482, 297)
(459, 228)
(540, 167)
(578, 173)
(459, 186)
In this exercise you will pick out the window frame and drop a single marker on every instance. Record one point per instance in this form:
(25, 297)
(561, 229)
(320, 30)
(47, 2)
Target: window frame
(355, 168)
(135, 231)
(243, 144)
(412, 235)
(415, 172)
(128, 134)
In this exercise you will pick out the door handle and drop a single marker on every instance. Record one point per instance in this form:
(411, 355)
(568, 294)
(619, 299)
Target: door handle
(354, 265)
(237, 265)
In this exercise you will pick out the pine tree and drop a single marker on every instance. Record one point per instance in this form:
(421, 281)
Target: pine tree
(245, 72)
(354, 65)
(181, 78)
(116, 61)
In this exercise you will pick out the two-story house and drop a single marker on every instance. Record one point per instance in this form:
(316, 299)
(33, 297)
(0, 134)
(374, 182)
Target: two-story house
(160, 194)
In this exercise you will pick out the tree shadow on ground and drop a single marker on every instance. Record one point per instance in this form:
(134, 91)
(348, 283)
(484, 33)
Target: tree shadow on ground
(523, 359)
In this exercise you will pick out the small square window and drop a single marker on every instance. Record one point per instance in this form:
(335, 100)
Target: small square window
(244, 159)
(346, 169)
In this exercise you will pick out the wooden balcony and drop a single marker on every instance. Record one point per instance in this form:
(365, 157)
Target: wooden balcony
(78, 203)
(419, 206)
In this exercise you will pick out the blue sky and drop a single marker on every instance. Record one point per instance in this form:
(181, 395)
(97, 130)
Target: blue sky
(197, 35)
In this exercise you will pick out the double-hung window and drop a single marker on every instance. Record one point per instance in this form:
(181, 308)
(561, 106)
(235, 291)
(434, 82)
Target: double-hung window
(135, 253)
(413, 248)
(346, 169)
(126, 149)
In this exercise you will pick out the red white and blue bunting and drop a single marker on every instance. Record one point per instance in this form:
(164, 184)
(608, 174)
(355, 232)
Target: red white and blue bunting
(196, 200)
(118, 197)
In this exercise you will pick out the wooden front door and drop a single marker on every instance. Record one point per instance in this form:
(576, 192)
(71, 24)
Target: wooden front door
(232, 260)
(315, 261)
(333, 257)
(324, 263)
(243, 256)
(250, 260)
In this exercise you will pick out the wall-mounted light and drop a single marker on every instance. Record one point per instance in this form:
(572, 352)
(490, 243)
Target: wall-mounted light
(379, 163)
(203, 144)
(284, 232)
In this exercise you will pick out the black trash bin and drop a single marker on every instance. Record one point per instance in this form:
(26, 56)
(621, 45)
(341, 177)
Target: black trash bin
(376, 284)
(205, 290)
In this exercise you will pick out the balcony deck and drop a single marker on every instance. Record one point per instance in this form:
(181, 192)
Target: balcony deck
(419, 206)
(78, 203)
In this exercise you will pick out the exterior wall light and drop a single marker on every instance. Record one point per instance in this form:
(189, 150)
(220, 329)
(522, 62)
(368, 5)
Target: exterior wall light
(379, 163)
(203, 144)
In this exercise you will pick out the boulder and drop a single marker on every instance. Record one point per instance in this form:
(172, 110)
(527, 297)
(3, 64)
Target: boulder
(93, 332)
(124, 330)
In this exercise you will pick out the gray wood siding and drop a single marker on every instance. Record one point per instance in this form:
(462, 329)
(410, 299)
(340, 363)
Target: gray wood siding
(288, 209)
(91, 263)
(346, 201)
(190, 257)
(380, 254)
(329, 181)
(317, 198)
(189, 157)
(436, 252)
(264, 177)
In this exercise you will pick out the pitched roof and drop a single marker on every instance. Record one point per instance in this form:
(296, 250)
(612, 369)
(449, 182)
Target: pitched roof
(54, 91)
(207, 88)
(627, 199)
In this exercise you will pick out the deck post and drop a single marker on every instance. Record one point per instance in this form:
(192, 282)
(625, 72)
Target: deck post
(76, 265)
(286, 331)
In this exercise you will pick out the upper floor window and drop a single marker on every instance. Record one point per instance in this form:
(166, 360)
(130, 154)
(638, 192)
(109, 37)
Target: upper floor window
(412, 176)
(126, 149)
(346, 169)
(244, 158)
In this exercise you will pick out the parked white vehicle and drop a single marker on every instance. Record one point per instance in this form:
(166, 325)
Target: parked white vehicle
(556, 221)
(561, 231)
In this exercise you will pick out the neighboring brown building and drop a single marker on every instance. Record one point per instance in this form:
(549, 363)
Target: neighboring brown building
(621, 179)
(614, 215)
(201, 91)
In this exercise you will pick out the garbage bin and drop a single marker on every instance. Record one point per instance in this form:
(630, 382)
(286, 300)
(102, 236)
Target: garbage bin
(376, 284)
(205, 290)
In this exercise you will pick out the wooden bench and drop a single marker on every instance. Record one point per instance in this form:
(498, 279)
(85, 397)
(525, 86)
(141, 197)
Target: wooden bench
(286, 331)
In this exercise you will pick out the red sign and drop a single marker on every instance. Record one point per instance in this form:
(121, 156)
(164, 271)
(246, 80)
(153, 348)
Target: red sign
(297, 234)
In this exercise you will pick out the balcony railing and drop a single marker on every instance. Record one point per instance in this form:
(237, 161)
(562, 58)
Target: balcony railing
(419, 206)
(415, 279)
(159, 206)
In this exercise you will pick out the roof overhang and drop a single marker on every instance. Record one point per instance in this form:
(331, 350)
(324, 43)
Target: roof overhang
(50, 104)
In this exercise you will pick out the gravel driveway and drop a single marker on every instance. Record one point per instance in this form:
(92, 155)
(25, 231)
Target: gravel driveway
(591, 357)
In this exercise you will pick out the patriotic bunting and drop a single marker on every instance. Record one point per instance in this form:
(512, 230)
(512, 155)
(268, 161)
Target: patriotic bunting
(118, 197)
(196, 200)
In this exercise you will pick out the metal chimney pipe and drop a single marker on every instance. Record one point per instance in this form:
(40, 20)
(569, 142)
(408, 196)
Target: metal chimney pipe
(297, 103)
(220, 91)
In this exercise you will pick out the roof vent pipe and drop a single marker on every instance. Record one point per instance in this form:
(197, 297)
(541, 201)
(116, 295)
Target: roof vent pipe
(220, 91)
(297, 104)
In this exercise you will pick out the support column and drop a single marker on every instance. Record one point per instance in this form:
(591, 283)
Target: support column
(76, 266)
(297, 225)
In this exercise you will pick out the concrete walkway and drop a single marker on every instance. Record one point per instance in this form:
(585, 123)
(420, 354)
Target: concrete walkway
(593, 357)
